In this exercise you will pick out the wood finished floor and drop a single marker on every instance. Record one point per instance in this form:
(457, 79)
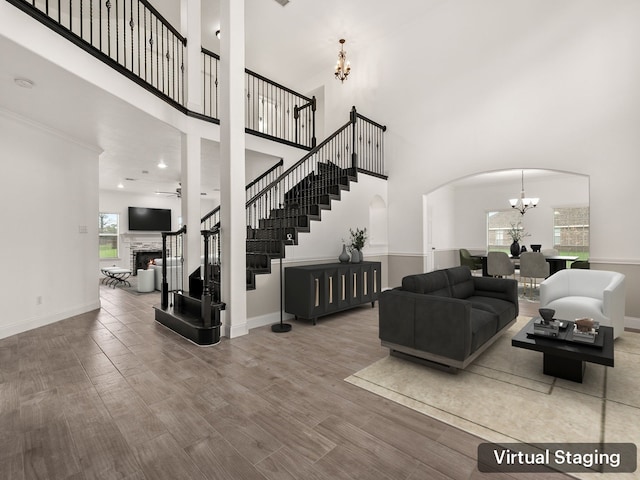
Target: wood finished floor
(112, 394)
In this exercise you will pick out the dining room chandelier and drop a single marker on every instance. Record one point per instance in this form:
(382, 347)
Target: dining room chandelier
(523, 203)
(343, 66)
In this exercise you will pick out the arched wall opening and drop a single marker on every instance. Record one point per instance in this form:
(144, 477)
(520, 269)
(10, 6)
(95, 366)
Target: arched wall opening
(378, 224)
(455, 214)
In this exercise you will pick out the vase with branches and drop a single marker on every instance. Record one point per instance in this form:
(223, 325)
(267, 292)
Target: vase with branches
(517, 233)
(358, 238)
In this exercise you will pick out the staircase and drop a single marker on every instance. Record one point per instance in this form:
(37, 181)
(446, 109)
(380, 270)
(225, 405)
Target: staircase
(302, 204)
(280, 206)
(285, 208)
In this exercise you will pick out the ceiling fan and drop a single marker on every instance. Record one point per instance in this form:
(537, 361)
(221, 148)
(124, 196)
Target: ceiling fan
(177, 193)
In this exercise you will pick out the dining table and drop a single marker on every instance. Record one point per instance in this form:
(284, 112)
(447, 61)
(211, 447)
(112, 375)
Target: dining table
(556, 262)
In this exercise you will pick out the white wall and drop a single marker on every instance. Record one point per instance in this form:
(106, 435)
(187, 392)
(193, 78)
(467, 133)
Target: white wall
(49, 242)
(497, 84)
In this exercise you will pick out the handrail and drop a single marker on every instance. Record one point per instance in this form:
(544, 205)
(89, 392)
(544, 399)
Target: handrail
(376, 124)
(275, 84)
(210, 53)
(261, 177)
(289, 170)
(355, 147)
(163, 20)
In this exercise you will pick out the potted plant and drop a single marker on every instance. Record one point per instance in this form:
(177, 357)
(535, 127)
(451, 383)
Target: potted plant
(358, 239)
(517, 233)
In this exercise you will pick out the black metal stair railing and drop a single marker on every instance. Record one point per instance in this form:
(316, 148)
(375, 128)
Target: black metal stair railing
(271, 110)
(212, 219)
(285, 206)
(172, 264)
(211, 281)
(129, 35)
(134, 38)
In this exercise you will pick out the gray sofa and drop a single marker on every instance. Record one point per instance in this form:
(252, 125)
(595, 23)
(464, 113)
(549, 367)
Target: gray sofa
(446, 317)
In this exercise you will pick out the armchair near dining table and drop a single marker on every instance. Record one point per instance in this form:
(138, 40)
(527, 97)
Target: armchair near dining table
(472, 261)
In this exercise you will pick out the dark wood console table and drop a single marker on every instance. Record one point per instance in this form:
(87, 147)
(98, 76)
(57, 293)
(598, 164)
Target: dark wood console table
(312, 291)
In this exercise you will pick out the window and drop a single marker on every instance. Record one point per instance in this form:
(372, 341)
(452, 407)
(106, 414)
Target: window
(571, 231)
(498, 225)
(108, 232)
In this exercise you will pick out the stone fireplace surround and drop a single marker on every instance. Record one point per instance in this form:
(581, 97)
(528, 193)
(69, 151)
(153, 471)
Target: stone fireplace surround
(143, 252)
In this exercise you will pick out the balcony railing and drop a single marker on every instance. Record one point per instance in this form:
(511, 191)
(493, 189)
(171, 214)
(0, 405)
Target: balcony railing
(129, 35)
(135, 39)
(271, 110)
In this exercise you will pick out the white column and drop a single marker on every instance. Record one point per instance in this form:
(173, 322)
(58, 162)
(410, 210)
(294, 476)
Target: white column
(190, 179)
(190, 14)
(232, 171)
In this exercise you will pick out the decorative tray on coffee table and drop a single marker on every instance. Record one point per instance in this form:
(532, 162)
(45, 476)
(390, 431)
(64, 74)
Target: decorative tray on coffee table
(566, 331)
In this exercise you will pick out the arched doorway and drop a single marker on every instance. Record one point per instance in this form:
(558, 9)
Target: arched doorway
(456, 215)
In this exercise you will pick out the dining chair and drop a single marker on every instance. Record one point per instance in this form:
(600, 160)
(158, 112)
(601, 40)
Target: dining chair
(532, 266)
(500, 265)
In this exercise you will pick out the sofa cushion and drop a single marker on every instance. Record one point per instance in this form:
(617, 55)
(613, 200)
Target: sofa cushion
(432, 283)
(460, 282)
(504, 311)
(483, 326)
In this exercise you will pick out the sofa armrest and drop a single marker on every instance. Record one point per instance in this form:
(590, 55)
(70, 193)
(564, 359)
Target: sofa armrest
(438, 325)
(502, 288)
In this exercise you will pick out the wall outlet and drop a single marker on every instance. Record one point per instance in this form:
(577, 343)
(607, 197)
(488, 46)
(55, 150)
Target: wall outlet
(39, 300)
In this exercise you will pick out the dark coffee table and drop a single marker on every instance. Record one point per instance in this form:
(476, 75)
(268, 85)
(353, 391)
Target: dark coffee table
(563, 358)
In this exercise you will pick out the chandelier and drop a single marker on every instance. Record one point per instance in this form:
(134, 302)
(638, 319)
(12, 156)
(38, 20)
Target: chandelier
(523, 203)
(343, 66)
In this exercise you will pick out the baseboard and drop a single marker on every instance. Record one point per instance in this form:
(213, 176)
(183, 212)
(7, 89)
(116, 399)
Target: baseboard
(632, 322)
(30, 324)
(267, 319)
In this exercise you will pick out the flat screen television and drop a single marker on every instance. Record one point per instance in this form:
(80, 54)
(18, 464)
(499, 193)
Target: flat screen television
(149, 219)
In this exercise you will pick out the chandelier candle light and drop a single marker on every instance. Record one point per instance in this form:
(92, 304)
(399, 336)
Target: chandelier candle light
(523, 203)
(343, 67)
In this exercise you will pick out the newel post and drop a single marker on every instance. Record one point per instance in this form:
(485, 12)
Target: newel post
(164, 299)
(313, 122)
(353, 116)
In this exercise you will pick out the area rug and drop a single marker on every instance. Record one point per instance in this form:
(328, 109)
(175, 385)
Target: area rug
(504, 396)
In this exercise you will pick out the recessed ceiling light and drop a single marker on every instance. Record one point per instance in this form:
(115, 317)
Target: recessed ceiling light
(120, 185)
(24, 82)
(162, 164)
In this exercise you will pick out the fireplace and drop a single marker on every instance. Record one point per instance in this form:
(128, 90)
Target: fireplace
(141, 258)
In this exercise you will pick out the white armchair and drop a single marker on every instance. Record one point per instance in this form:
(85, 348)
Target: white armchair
(576, 293)
(174, 272)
